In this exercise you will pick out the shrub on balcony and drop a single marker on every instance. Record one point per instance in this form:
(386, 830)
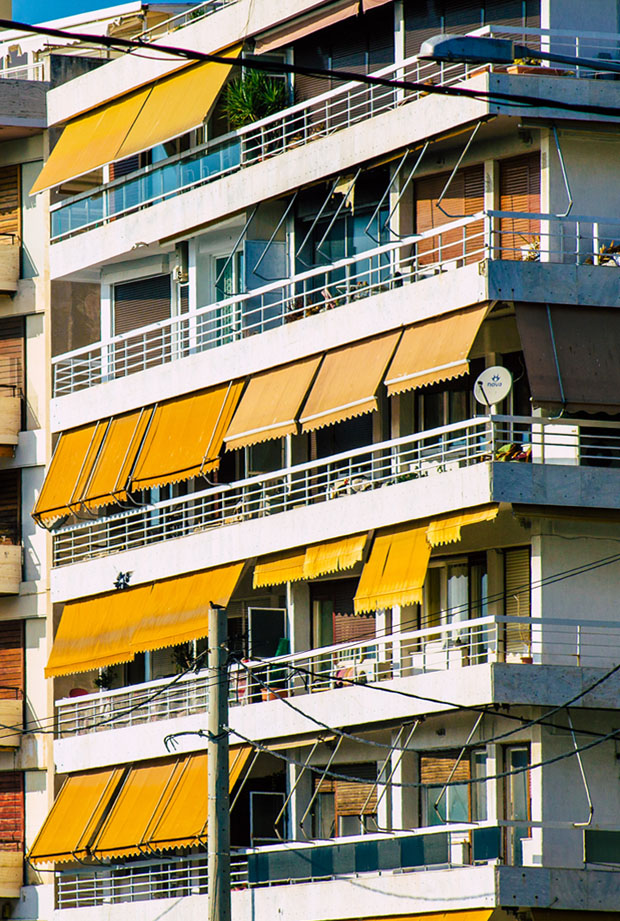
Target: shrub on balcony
(252, 97)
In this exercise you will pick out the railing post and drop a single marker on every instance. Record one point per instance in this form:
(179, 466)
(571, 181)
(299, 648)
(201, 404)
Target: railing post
(596, 243)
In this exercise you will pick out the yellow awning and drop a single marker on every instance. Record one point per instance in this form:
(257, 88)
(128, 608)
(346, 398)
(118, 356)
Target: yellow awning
(469, 914)
(97, 631)
(185, 436)
(333, 556)
(111, 470)
(447, 530)
(91, 140)
(75, 816)
(68, 473)
(347, 382)
(395, 570)
(435, 350)
(282, 567)
(178, 609)
(162, 805)
(176, 104)
(271, 404)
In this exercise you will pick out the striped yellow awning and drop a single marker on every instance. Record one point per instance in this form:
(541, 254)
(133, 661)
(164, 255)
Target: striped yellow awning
(112, 628)
(74, 456)
(75, 816)
(110, 472)
(395, 570)
(447, 529)
(280, 568)
(347, 382)
(270, 405)
(151, 115)
(310, 563)
(435, 350)
(162, 805)
(150, 806)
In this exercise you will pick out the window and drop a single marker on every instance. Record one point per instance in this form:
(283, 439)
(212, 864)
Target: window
(517, 801)
(346, 807)
(458, 802)
(517, 601)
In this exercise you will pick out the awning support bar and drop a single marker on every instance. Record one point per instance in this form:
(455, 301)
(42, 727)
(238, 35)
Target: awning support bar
(344, 200)
(583, 775)
(236, 246)
(454, 768)
(294, 787)
(272, 238)
(453, 173)
(401, 751)
(374, 214)
(404, 188)
(564, 173)
(317, 217)
(316, 792)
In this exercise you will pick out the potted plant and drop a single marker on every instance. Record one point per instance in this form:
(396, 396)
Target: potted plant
(253, 96)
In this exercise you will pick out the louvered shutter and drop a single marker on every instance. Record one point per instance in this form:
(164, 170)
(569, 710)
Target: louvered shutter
(351, 795)
(9, 203)
(517, 599)
(423, 19)
(514, 13)
(463, 15)
(519, 186)
(137, 304)
(10, 506)
(309, 53)
(348, 628)
(124, 167)
(11, 810)
(436, 767)
(12, 356)
(11, 658)
(465, 196)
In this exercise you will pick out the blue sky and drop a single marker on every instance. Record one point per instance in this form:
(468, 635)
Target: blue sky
(41, 10)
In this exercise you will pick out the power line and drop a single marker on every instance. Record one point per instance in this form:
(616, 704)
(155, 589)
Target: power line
(253, 63)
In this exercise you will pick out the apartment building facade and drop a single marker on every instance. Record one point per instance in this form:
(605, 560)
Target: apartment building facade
(271, 298)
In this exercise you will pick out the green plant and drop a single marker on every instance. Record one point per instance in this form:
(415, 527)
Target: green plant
(252, 97)
(105, 678)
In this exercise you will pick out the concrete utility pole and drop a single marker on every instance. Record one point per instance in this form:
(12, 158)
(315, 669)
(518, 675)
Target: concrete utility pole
(218, 829)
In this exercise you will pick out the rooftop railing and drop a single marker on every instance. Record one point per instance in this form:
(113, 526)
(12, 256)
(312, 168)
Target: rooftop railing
(33, 71)
(461, 643)
(186, 18)
(294, 127)
(377, 466)
(508, 235)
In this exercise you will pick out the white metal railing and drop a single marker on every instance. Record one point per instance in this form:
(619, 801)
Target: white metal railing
(432, 452)
(507, 235)
(458, 644)
(32, 71)
(290, 128)
(180, 20)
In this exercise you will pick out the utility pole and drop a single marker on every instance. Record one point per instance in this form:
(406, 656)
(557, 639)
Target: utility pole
(218, 827)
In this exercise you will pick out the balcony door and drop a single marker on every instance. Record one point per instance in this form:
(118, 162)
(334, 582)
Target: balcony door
(137, 304)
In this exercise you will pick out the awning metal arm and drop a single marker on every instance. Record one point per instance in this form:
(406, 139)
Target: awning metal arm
(583, 775)
(272, 238)
(564, 173)
(294, 787)
(453, 173)
(374, 214)
(343, 202)
(243, 782)
(316, 792)
(556, 362)
(317, 217)
(401, 752)
(236, 246)
(442, 792)
(404, 188)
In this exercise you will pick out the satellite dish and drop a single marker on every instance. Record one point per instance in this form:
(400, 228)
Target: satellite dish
(493, 385)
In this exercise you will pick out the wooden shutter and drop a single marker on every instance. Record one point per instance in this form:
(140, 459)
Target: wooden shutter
(10, 501)
(436, 767)
(12, 356)
(351, 794)
(139, 303)
(11, 810)
(519, 189)
(517, 599)
(11, 659)
(10, 210)
(348, 628)
(465, 196)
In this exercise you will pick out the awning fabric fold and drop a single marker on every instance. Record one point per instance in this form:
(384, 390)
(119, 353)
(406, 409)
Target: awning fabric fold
(110, 472)
(176, 104)
(280, 568)
(347, 382)
(179, 608)
(75, 454)
(434, 350)
(395, 570)
(185, 436)
(270, 405)
(111, 628)
(310, 563)
(148, 116)
(447, 530)
(123, 812)
(75, 816)
(289, 32)
(571, 355)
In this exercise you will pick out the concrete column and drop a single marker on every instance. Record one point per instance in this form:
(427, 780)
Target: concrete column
(404, 800)
(298, 616)
(301, 796)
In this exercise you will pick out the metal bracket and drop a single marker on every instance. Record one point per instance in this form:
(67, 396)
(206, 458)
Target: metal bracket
(453, 173)
(564, 173)
(272, 238)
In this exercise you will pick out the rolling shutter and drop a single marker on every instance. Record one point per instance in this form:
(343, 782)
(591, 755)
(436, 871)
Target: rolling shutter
(10, 507)
(12, 357)
(465, 196)
(9, 203)
(436, 768)
(139, 303)
(519, 185)
(348, 628)
(422, 21)
(517, 602)
(11, 658)
(11, 810)
(351, 795)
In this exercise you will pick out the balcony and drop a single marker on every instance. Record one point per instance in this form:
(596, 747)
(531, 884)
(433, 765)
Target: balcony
(427, 456)
(12, 719)
(578, 242)
(186, 18)
(9, 263)
(296, 127)
(520, 640)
